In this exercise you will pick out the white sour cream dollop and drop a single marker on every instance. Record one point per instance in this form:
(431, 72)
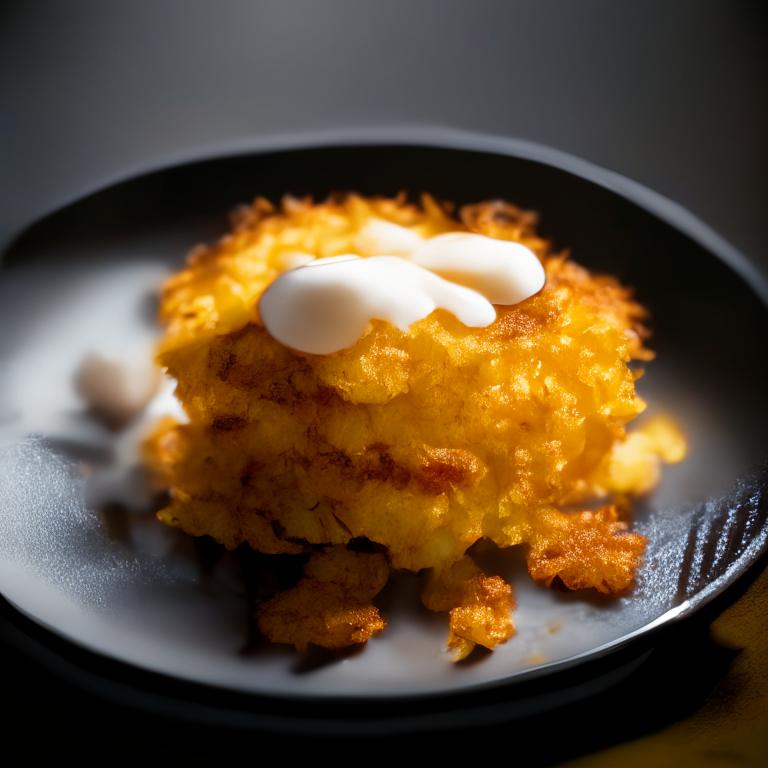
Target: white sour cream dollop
(326, 305)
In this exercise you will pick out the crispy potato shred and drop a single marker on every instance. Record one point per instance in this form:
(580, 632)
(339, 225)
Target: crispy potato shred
(331, 605)
(422, 442)
(480, 606)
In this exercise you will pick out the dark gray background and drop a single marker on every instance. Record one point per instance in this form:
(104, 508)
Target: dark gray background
(669, 93)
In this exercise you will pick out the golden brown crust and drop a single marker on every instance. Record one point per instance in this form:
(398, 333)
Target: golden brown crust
(588, 549)
(422, 441)
(480, 606)
(331, 605)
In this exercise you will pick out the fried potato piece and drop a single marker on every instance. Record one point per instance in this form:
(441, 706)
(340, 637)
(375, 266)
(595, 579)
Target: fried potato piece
(587, 549)
(480, 606)
(421, 441)
(331, 605)
(409, 439)
(634, 465)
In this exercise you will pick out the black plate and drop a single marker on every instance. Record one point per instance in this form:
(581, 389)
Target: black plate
(707, 314)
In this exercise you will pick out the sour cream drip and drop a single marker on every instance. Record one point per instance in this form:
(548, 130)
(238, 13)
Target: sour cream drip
(326, 305)
(502, 271)
(383, 238)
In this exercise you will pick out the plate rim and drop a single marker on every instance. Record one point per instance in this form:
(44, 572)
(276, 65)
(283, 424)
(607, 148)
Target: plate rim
(439, 137)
